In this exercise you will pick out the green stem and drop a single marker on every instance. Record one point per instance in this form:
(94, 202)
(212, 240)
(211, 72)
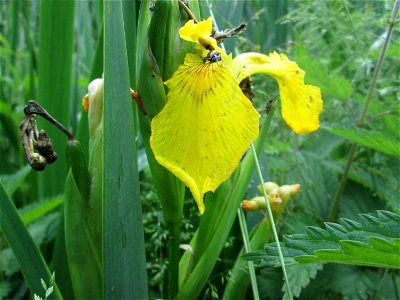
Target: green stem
(271, 218)
(246, 242)
(361, 121)
(174, 257)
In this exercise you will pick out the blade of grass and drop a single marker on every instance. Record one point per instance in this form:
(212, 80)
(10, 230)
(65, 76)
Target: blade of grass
(29, 258)
(124, 262)
(271, 218)
(238, 281)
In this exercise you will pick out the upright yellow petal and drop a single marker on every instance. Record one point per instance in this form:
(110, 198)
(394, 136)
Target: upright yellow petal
(205, 127)
(191, 31)
(301, 104)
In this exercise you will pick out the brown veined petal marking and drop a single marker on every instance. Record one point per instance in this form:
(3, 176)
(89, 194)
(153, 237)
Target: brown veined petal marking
(205, 127)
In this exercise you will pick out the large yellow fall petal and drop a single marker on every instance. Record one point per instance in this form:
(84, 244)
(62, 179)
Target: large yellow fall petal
(205, 127)
(301, 104)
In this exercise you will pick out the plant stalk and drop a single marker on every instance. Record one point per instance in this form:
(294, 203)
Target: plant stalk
(174, 257)
(246, 243)
(271, 218)
(361, 121)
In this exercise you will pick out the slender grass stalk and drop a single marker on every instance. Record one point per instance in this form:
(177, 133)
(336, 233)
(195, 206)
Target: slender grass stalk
(238, 281)
(246, 242)
(271, 218)
(361, 121)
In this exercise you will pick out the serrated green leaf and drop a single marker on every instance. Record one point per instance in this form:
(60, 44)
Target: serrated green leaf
(36, 210)
(382, 244)
(299, 276)
(13, 181)
(374, 241)
(5, 288)
(353, 283)
(368, 138)
(381, 180)
(316, 233)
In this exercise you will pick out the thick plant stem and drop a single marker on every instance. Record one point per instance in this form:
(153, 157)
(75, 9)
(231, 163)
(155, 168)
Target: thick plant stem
(271, 218)
(174, 257)
(361, 121)
(246, 242)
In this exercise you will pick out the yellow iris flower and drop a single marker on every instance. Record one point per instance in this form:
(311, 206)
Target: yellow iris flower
(208, 123)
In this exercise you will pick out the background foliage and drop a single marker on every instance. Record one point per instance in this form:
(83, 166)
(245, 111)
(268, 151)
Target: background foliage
(336, 42)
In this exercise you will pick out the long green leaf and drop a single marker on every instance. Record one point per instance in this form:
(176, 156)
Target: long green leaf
(124, 262)
(369, 138)
(55, 61)
(30, 259)
(56, 40)
(83, 258)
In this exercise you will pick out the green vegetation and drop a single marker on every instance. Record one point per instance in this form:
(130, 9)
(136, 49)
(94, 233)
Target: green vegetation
(106, 220)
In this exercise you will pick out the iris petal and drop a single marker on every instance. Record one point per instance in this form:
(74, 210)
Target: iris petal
(301, 103)
(205, 127)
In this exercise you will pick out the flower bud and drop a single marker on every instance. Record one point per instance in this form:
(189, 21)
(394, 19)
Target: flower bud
(278, 197)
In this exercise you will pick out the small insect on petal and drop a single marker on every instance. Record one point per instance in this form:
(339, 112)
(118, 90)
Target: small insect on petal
(212, 57)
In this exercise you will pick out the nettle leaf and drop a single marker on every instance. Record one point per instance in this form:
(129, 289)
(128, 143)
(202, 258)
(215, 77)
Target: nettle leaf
(36, 210)
(299, 276)
(343, 282)
(381, 179)
(374, 241)
(13, 181)
(368, 138)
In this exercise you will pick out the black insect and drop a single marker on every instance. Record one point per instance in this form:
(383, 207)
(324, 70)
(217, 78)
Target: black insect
(213, 56)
